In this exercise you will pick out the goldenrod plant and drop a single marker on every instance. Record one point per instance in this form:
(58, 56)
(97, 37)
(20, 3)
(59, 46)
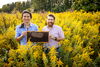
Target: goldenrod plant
(80, 48)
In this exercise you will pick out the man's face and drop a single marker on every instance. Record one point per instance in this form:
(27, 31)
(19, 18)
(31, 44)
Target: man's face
(50, 21)
(26, 18)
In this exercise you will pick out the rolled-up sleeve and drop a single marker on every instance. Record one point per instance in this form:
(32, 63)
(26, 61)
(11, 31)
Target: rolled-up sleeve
(17, 32)
(61, 33)
(36, 28)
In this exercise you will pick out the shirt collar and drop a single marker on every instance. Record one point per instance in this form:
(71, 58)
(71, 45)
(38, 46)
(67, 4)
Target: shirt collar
(30, 24)
(51, 27)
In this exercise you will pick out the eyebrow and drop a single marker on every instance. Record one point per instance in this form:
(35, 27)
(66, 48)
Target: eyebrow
(26, 16)
(48, 18)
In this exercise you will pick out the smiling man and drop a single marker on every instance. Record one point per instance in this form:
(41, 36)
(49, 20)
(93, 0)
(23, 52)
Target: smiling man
(56, 33)
(21, 30)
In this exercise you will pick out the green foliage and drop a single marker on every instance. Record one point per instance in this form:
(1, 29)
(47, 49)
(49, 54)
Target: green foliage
(87, 5)
(52, 5)
(18, 6)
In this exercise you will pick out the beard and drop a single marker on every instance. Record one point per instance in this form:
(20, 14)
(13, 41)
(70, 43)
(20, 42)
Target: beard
(50, 24)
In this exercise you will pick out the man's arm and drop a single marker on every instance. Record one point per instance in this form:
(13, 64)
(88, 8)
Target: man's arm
(21, 36)
(61, 35)
(59, 39)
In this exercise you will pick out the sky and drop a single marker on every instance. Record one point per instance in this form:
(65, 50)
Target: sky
(2, 2)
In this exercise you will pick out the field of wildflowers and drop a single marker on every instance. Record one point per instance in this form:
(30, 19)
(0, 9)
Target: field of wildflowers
(81, 47)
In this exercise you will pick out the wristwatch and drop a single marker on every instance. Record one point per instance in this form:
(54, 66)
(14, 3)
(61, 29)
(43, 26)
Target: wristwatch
(55, 38)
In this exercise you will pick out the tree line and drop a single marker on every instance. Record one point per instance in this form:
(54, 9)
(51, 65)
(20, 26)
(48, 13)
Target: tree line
(52, 5)
(17, 6)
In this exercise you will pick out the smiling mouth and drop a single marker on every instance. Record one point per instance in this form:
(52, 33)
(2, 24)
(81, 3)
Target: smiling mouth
(51, 22)
(26, 20)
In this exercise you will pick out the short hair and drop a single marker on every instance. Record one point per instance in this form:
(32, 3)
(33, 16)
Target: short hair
(25, 11)
(51, 15)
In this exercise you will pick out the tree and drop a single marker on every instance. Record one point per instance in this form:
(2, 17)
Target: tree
(18, 6)
(0, 10)
(15, 6)
(61, 5)
(38, 4)
(6, 8)
(87, 5)
(51, 5)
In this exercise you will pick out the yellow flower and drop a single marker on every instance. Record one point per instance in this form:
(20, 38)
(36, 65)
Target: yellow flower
(86, 57)
(36, 54)
(10, 59)
(45, 60)
(59, 62)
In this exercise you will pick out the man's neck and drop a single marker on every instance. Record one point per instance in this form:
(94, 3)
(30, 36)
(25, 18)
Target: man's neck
(27, 25)
(50, 26)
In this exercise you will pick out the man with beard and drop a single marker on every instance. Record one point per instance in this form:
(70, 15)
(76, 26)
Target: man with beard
(56, 34)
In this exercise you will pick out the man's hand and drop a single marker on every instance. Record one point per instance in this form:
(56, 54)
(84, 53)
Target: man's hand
(53, 37)
(21, 36)
(56, 38)
(24, 33)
